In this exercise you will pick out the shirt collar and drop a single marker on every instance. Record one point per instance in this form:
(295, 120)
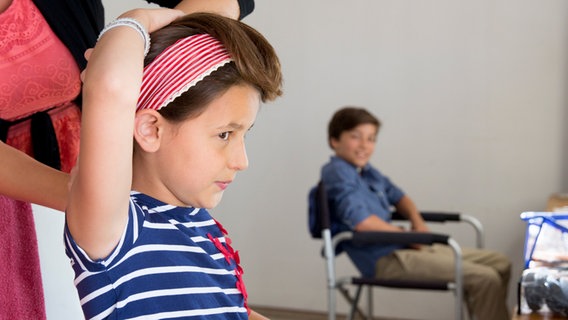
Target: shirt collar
(365, 168)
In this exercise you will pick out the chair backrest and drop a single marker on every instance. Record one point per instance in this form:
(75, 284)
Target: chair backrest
(314, 213)
(319, 216)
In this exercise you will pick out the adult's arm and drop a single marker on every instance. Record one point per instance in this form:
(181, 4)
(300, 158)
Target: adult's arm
(85, 18)
(26, 179)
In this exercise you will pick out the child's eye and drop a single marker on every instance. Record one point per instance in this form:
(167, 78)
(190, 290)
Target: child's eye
(225, 135)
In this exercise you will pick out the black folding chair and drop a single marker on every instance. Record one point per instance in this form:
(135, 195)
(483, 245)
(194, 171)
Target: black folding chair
(322, 228)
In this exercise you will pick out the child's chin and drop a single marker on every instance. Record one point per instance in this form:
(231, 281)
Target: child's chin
(213, 202)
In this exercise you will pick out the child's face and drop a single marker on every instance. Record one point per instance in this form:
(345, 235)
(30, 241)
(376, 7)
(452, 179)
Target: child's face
(356, 146)
(202, 155)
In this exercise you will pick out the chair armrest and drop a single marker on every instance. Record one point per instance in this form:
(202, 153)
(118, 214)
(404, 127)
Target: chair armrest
(365, 238)
(390, 237)
(441, 217)
(432, 216)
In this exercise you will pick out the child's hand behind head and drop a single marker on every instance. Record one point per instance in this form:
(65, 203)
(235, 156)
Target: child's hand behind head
(153, 19)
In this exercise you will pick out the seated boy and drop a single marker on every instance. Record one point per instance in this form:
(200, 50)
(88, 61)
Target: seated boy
(361, 198)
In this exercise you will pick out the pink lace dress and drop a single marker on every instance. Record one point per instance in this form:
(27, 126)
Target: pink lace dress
(37, 74)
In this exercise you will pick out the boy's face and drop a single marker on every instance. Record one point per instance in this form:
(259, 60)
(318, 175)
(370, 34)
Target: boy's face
(356, 146)
(201, 156)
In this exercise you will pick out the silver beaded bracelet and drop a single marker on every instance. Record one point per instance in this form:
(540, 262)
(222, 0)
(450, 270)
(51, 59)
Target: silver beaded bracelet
(132, 23)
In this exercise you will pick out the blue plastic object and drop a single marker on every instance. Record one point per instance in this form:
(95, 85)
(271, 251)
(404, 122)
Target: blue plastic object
(546, 238)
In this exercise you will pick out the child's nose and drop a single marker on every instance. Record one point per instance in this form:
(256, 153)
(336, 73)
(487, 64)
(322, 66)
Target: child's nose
(363, 143)
(239, 160)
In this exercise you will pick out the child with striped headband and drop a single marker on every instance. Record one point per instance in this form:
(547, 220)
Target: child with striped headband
(138, 234)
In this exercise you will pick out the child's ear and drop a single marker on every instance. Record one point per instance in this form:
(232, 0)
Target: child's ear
(333, 143)
(148, 129)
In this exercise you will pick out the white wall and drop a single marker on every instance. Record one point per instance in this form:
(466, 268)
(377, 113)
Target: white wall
(473, 99)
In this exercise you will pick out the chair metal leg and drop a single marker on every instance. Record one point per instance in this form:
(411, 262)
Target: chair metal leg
(354, 304)
(458, 277)
(369, 302)
(331, 281)
(331, 303)
(353, 301)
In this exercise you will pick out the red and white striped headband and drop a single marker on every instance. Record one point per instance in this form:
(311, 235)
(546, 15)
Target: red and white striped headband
(178, 68)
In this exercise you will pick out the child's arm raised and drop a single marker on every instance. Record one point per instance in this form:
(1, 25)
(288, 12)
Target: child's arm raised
(98, 200)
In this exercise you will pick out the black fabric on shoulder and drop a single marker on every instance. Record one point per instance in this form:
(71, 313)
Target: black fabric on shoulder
(76, 23)
(246, 8)
(165, 3)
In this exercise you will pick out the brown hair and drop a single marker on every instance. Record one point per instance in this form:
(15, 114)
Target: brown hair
(254, 62)
(346, 119)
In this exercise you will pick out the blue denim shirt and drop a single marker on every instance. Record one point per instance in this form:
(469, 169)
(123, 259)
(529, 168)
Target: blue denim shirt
(353, 196)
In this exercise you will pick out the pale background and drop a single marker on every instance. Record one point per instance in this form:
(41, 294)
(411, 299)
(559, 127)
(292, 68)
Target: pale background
(473, 98)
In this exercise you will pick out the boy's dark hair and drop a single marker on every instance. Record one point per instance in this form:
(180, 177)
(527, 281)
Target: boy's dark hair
(254, 62)
(346, 119)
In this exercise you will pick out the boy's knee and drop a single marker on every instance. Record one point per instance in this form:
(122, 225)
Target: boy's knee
(482, 279)
(491, 280)
(504, 266)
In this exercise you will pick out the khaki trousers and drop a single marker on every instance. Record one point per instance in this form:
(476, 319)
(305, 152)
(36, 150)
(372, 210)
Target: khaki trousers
(485, 275)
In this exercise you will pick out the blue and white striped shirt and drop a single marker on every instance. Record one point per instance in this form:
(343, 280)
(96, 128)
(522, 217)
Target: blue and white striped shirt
(166, 266)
